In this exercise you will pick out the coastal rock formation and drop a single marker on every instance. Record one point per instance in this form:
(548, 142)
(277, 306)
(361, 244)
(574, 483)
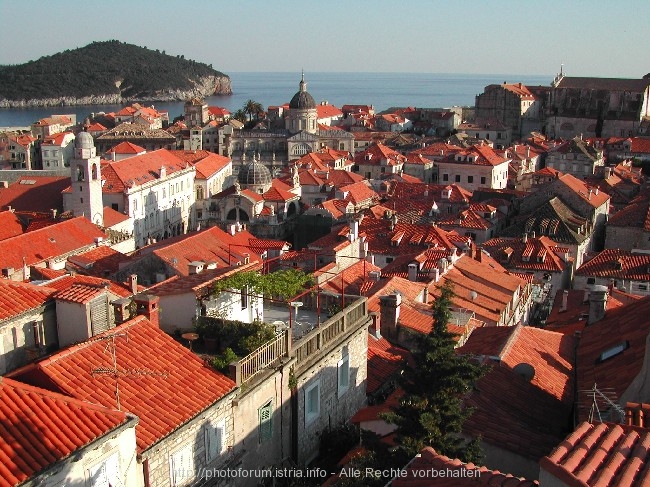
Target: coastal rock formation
(204, 86)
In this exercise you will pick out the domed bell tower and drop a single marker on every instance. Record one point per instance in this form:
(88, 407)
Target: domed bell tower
(86, 180)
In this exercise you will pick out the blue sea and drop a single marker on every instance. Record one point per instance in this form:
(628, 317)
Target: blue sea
(382, 90)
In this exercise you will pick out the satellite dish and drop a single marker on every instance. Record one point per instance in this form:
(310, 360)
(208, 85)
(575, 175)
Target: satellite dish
(473, 295)
(526, 371)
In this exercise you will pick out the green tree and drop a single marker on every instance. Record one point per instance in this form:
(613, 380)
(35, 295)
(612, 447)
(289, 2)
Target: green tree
(239, 115)
(431, 413)
(283, 284)
(253, 110)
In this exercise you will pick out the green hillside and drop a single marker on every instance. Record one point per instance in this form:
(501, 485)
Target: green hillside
(100, 68)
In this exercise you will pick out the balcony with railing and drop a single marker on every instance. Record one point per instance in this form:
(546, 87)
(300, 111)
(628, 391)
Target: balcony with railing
(308, 348)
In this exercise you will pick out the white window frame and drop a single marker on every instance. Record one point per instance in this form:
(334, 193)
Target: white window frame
(101, 475)
(343, 375)
(215, 439)
(180, 474)
(312, 411)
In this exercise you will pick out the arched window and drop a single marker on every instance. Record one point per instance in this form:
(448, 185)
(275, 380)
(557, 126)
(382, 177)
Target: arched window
(81, 176)
(94, 171)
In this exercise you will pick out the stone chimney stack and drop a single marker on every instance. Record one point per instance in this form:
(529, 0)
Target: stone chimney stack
(389, 314)
(597, 304)
(413, 272)
(147, 306)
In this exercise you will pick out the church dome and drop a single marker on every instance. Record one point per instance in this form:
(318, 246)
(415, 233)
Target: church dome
(302, 99)
(84, 140)
(254, 174)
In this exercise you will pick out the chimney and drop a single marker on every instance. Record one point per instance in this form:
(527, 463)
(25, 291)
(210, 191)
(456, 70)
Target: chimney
(565, 300)
(53, 210)
(524, 238)
(163, 172)
(527, 151)
(374, 275)
(597, 304)
(425, 295)
(354, 230)
(589, 194)
(121, 310)
(608, 172)
(585, 297)
(636, 414)
(133, 280)
(389, 314)
(375, 328)
(194, 267)
(434, 274)
(147, 306)
(413, 272)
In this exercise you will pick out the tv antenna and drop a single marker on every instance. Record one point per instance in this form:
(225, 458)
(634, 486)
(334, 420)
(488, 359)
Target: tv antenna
(607, 398)
(117, 372)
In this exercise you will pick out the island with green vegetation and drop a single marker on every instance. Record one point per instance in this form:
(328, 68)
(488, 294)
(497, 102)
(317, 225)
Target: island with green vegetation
(108, 72)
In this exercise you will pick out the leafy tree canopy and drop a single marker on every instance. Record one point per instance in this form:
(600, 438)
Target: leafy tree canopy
(283, 284)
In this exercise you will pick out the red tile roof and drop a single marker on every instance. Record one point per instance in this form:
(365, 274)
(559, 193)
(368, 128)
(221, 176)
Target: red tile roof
(127, 148)
(420, 473)
(18, 297)
(40, 428)
(378, 154)
(480, 155)
(593, 198)
(46, 243)
(549, 353)
(139, 170)
(358, 193)
(113, 217)
(178, 388)
(210, 165)
(10, 225)
(623, 330)
(328, 111)
(210, 245)
(66, 281)
(536, 254)
(100, 261)
(617, 264)
(636, 214)
(79, 293)
(513, 414)
(602, 454)
(35, 193)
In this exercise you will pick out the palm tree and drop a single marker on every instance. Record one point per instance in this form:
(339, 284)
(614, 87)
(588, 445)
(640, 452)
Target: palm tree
(253, 109)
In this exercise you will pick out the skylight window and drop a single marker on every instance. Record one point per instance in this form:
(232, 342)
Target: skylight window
(613, 351)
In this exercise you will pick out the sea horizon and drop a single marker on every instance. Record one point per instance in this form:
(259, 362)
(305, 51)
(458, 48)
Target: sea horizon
(383, 90)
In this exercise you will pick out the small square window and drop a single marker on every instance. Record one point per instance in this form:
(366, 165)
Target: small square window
(591, 280)
(483, 180)
(457, 178)
(445, 177)
(470, 179)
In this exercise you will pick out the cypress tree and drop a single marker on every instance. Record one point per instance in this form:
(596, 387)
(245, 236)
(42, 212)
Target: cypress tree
(431, 412)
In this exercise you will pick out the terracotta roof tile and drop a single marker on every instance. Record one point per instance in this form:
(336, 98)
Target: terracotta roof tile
(419, 473)
(127, 148)
(18, 297)
(46, 243)
(101, 261)
(113, 217)
(603, 454)
(617, 264)
(40, 428)
(178, 377)
(63, 283)
(35, 193)
(10, 225)
(536, 254)
(210, 165)
(621, 335)
(79, 293)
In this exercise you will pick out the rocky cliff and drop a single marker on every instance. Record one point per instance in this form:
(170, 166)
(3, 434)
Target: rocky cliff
(205, 86)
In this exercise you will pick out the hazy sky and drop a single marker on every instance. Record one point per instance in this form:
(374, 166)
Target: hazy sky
(590, 37)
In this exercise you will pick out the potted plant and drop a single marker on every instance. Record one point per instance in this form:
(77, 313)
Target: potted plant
(208, 330)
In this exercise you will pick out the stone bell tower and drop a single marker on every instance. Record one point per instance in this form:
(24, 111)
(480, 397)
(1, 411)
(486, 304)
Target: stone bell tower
(86, 180)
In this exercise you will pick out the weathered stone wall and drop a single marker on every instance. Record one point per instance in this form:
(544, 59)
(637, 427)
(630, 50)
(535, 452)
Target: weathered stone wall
(193, 432)
(626, 238)
(335, 408)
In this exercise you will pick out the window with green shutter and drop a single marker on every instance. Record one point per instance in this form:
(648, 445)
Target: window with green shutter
(266, 421)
